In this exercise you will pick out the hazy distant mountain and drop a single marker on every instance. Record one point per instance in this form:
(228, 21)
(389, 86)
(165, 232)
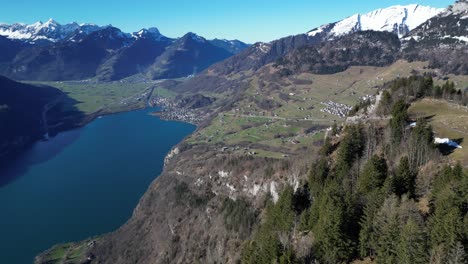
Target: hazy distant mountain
(68, 60)
(9, 48)
(232, 46)
(136, 57)
(188, 55)
(396, 19)
(51, 51)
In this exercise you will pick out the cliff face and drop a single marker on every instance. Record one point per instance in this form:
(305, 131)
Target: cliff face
(200, 210)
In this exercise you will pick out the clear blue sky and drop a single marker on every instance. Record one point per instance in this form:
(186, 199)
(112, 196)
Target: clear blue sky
(247, 20)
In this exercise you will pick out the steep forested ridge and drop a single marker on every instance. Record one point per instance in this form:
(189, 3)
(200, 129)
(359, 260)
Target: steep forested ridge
(380, 192)
(23, 110)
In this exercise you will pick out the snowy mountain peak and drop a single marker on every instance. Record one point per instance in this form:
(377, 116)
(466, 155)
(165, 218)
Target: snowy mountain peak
(151, 32)
(51, 21)
(50, 31)
(397, 19)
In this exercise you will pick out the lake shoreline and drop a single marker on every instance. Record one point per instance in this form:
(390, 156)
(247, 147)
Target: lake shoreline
(139, 144)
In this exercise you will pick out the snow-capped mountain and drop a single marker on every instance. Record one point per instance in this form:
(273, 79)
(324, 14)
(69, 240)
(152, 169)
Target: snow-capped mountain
(450, 25)
(50, 30)
(442, 40)
(396, 19)
(151, 33)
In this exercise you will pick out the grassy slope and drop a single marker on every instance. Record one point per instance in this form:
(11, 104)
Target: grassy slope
(448, 121)
(68, 253)
(247, 124)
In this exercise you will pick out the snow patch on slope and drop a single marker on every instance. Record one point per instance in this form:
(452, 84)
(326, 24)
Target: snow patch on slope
(397, 19)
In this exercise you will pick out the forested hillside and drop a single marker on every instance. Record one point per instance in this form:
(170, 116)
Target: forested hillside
(27, 112)
(379, 191)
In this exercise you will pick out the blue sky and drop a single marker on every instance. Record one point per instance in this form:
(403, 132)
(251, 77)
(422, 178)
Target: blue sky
(247, 20)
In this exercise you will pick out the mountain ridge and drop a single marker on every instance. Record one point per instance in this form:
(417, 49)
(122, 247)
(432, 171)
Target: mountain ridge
(53, 52)
(397, 19)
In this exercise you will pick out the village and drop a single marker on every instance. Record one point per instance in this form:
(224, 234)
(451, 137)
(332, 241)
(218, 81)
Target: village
(335, 108)
(172, 111)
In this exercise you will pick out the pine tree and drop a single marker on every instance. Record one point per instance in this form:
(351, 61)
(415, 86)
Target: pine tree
(373, 175)
(385, 103)
(446, 226)
(280, 217)
(412, 245)
(387, 231)
(398, 121)
(317, 176)
(367, 239)
(351, 148)
(332, 244)
(404, 181)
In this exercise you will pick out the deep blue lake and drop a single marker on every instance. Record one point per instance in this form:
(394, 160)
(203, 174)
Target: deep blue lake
(81, 183)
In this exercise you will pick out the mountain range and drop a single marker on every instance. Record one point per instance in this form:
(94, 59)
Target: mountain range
(46, 32)
(399, 20)
(50, 52)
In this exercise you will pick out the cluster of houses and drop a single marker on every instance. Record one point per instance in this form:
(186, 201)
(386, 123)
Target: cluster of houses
(335, 108)
(180, 114)
(171, 111)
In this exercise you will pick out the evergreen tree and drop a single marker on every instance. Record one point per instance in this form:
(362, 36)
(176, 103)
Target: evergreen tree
(266, 246)
(373, 175)
(404, 181)
(446, 226)
(387, 231)
(385, 103)
(332, 244)
(317, 176)
(438, 91)
(367, 239)
(398, 121)
(280, 217)
(351, 148)
(411, 248)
